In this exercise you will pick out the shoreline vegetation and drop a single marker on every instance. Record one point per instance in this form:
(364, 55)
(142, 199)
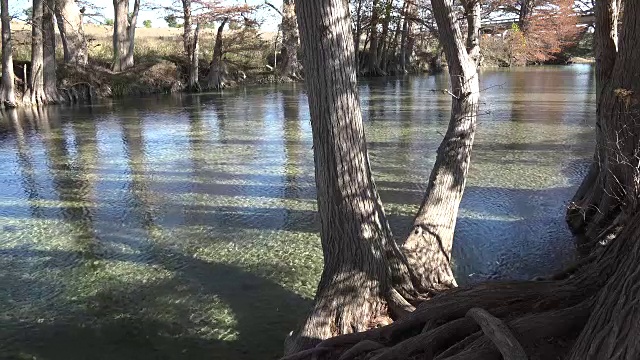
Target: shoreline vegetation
(161, 68)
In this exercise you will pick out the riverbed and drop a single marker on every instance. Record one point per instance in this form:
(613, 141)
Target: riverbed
(184, 226)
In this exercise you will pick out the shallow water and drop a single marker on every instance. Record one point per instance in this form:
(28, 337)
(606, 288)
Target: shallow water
(184, 227)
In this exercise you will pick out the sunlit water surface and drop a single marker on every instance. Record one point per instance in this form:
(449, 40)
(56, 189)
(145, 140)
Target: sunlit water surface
(184, 227)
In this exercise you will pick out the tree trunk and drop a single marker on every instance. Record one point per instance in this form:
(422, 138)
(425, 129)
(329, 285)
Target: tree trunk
(191, 46)
(289, 65)
(358, 30)
(373, 68)
(612, 330)
(217, 69)
(124, 30)
(594, 206)
(526, 9)
(74, 42)
(472, 11)
(406, 42)
(384, 41)
(36, 94)
(7, 87)
(362, 263)
(49, 51)
(428, 246)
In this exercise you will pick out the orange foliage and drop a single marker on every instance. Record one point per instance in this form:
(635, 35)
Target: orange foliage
(550, 28)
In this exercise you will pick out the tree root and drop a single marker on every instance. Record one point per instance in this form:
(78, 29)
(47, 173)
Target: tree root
(448, 326)
(499, 334)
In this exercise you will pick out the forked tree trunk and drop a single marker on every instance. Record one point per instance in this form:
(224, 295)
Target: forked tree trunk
(428, 246)
(289, 65)
(217, 69)
(49, 51)
(362, 263)
(36, 94)
(594, 206)
(612, 331)
(124, 30)
(7, 87)
(74, 42)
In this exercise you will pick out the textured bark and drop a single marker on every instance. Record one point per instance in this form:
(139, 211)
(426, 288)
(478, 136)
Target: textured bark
(7, 87)
(124, 31)
(74, 42)
(217, 69)
(49, 51)
(289, 65)
(472, 12)
(36, 94)
(593, 206)
(362, 263)
(428, 246)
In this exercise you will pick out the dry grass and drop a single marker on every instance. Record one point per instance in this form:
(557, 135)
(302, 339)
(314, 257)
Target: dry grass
(151, 44)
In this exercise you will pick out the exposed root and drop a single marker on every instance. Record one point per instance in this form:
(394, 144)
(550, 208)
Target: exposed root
(499, 334)
(365, 346)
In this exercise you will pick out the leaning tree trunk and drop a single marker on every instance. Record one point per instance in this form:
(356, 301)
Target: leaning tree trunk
(49, 52)
(364, 274)
(7, 87)
(289, 65)
(124, 30)
(217, 69)
(594, 206)
(36, 94)
(74, 42)
(428, 246)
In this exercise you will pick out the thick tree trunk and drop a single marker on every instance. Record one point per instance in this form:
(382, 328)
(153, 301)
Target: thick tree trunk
(217, 69)
(526, 10)
(612, 331)
(384, 41)
(289, 65)
(428, 246)
(7, 87)
(358, 30)
(49, 51)
(406, 42)
(36, 94)
(124, 31)
(472, 11)
(362, 263)
(594, 206)
(74, 42)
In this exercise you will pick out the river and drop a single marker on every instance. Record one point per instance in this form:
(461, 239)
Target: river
(184, 227)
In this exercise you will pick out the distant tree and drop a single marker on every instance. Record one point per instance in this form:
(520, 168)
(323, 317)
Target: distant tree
(7, 86)
(172, 21)
(28, 12)
(109, 22)
(70, 25)
(124, 32)
(147, 23)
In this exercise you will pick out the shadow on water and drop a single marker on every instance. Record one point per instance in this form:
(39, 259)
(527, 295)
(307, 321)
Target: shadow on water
(185, 227)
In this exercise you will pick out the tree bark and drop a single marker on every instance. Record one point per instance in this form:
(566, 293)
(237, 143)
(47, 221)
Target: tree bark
(7, 87)
(406, 42)
(36, 94)
(217, 69)
(74, 42)
(289, 65)
(593, 206)
(472, 12)
(428, 246)
(124, 30)
(363, 268)
(49, 51)
(612, 330)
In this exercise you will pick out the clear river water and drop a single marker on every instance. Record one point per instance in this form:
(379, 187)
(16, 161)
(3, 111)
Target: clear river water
(184, 227)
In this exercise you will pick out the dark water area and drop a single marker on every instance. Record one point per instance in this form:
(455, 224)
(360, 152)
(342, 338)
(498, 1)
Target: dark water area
(184, 227)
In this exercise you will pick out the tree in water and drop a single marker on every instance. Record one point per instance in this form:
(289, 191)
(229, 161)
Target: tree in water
(589, 311)
(124, 31)
(35, 94)
(289, 65)
(70, 25)
(367, 278)
(49, 51)
(7, 87)
(217, 69)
